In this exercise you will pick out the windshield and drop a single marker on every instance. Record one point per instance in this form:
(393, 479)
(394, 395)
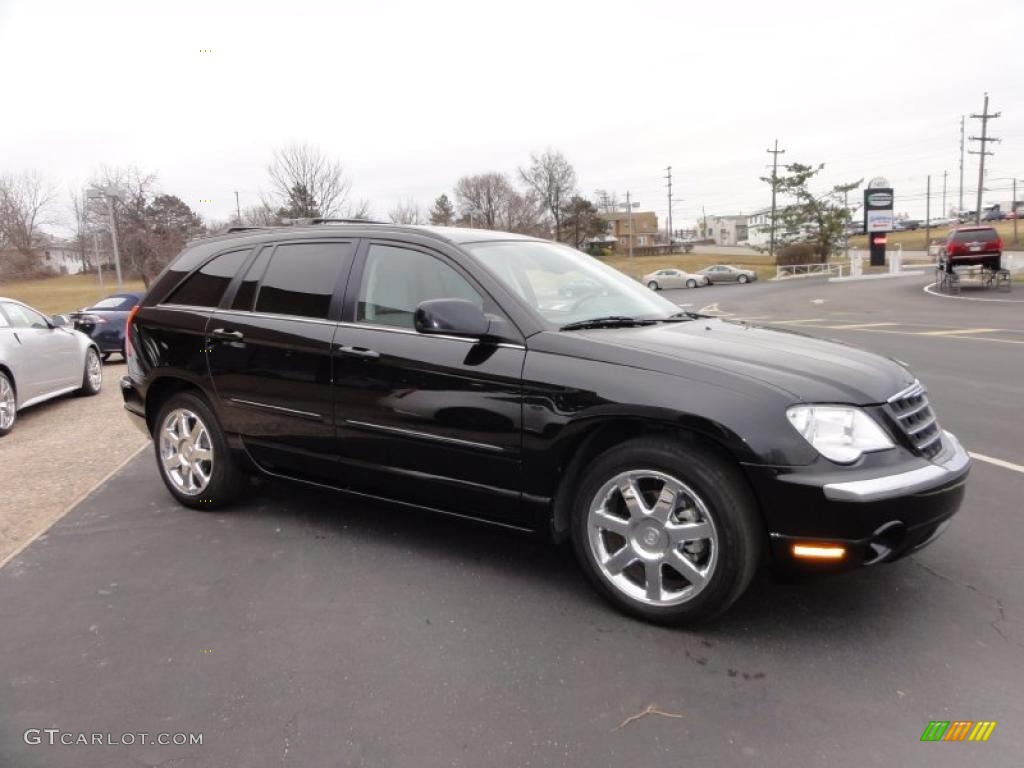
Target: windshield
(566, 286)
(975, 235)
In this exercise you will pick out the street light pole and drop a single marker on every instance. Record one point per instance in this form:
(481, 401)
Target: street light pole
(629, 216)
(113, 240)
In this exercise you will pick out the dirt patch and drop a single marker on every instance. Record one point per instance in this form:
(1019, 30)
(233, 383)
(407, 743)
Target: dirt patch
(57, 452)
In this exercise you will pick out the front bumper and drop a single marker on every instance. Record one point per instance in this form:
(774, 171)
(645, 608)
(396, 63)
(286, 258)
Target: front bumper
(873, 519)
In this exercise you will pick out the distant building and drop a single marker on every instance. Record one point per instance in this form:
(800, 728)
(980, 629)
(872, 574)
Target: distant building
(759, 229)
(725, 230)
(644, 231)
(60, 256)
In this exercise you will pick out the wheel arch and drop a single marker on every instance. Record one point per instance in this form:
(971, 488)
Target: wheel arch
(6, 369)
(162, 389)
(603, 435)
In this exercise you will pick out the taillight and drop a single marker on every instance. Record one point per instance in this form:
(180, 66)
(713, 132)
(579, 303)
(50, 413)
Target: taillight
(999, 244)
(128, 331)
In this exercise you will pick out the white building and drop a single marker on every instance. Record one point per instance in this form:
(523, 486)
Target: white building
(725, 230)
(59, 256)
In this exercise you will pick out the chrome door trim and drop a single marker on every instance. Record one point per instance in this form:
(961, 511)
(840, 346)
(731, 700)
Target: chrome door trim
(425, 435)
(277, 409)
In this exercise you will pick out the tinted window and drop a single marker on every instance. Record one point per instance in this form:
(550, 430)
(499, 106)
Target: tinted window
(396, 280)
(301, 278)
(205, 287)
(23, 317)
(247, 290)
(976, 236)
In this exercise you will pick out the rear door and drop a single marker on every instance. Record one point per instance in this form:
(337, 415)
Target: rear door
(428, 419)
(270, 355)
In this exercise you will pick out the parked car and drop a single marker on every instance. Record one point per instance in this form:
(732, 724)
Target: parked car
(104, 321)
(664, 279)
(993, 214)
(971, 246)
(40, 358)
(723, 273)
(907, 225)
(420, 365)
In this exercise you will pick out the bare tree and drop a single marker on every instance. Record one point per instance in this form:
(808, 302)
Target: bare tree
(484, 198)
(406, 212)
(524, 214)
(552, 177)
(305, 182)
(26, 203)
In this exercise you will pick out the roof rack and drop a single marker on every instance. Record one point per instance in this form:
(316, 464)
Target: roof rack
(324, 220)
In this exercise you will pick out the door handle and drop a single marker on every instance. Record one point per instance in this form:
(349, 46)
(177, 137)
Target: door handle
(369, 354)
(222, 333)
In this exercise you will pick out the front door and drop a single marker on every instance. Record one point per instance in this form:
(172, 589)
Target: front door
(433, 420)
(270, 356)
(51, 355)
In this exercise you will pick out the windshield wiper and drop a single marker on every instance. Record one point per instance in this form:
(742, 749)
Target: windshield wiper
(611, 321)
(680, 316)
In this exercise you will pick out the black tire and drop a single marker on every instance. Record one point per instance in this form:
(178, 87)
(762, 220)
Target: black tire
(742, 279)
(226, 480)
(691, 283)
(730, 506)
(7, 390)
(106, 356)
(90, 386)
(653, 286)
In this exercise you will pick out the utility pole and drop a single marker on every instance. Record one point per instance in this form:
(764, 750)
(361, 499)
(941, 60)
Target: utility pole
(960, 206)
(669, 221)
(928, 215)
(985, 116)
(113, 241)
(238, 209)
(945, 210)
(775, 167)
(629, 216)
(1016, 212)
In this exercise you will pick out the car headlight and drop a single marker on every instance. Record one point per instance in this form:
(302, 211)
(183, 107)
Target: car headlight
(839, 433)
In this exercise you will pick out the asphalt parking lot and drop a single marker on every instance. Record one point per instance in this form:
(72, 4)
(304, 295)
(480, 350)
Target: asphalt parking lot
(306, 629)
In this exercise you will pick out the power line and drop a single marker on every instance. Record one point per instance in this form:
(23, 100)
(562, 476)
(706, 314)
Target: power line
(985, 116)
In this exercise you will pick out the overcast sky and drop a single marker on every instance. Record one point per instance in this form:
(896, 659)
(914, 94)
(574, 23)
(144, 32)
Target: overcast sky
(411, 95)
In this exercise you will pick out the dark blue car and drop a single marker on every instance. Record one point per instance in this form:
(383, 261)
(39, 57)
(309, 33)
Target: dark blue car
(104, 321)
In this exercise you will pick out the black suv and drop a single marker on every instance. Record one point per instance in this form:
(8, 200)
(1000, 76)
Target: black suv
(447, 370)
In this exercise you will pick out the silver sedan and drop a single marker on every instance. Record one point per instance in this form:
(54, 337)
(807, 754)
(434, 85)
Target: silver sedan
(673, 278)
(41, 357)
(725, 273)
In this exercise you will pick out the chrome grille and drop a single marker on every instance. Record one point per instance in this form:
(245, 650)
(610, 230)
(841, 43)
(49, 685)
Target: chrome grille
(912, 412)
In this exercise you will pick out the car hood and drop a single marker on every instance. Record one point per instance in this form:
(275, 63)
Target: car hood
(809, 369)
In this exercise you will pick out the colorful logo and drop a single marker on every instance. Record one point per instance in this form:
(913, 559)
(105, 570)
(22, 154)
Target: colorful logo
(958, 730)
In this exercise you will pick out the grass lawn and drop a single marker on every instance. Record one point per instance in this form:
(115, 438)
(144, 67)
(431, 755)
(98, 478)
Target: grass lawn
(915, 241)
(689, 262)
(53, 295)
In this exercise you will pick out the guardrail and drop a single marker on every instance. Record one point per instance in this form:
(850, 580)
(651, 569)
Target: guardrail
(835, 268)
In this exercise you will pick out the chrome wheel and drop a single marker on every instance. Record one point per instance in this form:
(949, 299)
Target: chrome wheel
(652, 538)
(652, 285)
(94, 370)
(8, 406)
(186, 453)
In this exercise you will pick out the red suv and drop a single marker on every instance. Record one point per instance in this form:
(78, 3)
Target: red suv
(969, 246)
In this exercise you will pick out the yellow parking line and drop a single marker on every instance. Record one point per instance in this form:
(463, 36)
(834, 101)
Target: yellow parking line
(959, 331)
(806, 320)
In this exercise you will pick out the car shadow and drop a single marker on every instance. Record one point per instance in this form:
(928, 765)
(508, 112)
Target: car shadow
(814, 606)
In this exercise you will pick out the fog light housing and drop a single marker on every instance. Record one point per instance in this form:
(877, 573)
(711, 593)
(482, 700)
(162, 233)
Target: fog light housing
(819, 551)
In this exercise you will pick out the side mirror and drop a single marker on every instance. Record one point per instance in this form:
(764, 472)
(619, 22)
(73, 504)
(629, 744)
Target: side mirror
(59, 321)
(453, 317)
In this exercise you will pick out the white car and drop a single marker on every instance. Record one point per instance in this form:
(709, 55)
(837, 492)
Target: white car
(673, 278)
(41, 357)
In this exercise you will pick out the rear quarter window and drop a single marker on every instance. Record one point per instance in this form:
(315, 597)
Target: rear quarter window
(206, 286)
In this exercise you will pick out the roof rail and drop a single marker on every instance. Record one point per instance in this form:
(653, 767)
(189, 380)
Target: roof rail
(325, 220)
(229, 230)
